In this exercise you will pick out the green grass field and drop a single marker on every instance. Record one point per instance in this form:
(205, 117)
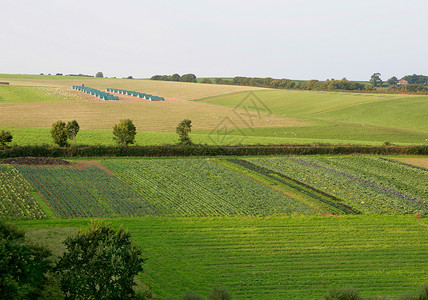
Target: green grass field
(270, 258)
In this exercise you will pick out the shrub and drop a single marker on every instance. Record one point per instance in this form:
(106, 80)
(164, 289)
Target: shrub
(423, 293)
(191, 296)
(219, 294)
(59, 133)
(99, 75)
(346, 293)
(5, 137)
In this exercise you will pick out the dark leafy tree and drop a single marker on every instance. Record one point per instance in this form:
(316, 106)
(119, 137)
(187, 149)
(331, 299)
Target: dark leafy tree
(188, 78)
(99, 74)
(23, 267)
(416, 79)
(124, 132)
(59, 133)
(183, 129)
(392, 81)
(129, 77)
(375, 79)
(175, 77)
(206, 80)
(72, 130)
(5, 137)
(99, 263)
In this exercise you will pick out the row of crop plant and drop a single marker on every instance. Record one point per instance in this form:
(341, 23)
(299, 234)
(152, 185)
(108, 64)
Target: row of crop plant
(94, 92)
(136, 94)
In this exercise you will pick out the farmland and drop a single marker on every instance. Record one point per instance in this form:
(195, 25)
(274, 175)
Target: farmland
(255, 186)
(32, 103)
(274, 257)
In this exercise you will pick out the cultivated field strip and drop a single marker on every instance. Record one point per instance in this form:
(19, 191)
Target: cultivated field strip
(293, 257)
(16, 200)
(85, 192)
(199, 187)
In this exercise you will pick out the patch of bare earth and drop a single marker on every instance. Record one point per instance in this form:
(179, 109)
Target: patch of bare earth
(416, 161)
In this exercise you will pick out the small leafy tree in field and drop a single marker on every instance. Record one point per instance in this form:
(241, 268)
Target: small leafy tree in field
(375, 79)
(72, 130)
(183, 129)
(59, 133)
(99, 74)
(124, 132)
(5, 137)
(23, 267)
(99, 263)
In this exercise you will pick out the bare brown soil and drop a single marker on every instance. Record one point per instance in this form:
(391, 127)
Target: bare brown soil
(422, 162)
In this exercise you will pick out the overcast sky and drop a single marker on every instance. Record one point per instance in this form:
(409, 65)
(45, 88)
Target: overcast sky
(309, 39)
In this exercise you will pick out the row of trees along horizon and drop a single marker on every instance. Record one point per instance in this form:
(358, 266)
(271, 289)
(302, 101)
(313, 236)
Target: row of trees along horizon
(415, 83)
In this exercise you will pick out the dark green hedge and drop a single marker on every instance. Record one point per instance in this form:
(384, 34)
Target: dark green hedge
(205, 150)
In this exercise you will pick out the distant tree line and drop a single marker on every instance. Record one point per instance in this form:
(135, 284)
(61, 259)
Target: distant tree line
(315, 85)
(175, 77)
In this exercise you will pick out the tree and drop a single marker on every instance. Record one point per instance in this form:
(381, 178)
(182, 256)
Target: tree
(375, 79)
(392, 81)
(129, 77)
(218, 293)
(99, 263)
(183, 129)
(5, 137)
(369, 87)
(23, 267)
(59, 133)
(206, 80)
(188, 78)
(99, 74)
(72, 130)
(124, 132)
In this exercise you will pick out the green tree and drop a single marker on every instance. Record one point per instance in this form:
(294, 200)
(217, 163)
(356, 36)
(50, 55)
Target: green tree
(369, 87)
(23, 267)
(392, 81)
(59, 133)
(124, 132)
(5, 137)
(375, 79)
(188, 78)
(175, 77)
(72, 130)
(183, 129)
(99, 74)
(206, 80)
(99, 263)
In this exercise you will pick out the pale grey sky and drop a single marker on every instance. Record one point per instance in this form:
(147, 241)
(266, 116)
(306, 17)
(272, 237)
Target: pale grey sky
(310, 39)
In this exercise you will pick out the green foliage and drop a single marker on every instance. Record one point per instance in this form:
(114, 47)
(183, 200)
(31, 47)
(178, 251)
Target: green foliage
(23, 267)
(72, 130)
(188, 78)
(206, 80)
(392, 81)
(346, 293)
(59, 133)
(190, 296)
(99, 75)
(5, 137)
(124, 132)
(183, 129)
(218, 293)
(423, 293)
(174, 77)
(99, 263)
(416, 79)
(369, 87)
(375, 79)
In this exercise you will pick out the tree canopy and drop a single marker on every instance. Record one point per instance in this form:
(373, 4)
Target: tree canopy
(72, 130)
(59, 133)
(183, 129)
(99, 263)
(124, 132)
(5, 137)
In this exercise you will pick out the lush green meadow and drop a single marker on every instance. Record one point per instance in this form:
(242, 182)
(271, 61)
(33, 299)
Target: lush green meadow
(271, 258)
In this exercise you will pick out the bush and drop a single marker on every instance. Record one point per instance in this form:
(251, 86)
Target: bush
(346, 293)
(99, 75)
(5, 137)
(219, 294)
(190, 296)
(423, 293)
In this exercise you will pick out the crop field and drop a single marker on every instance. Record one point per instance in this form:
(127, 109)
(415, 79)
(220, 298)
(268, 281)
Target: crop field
(264, 186)
(271, 258)
(219, 116)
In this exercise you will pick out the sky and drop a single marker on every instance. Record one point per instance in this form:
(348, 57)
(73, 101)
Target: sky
(309, 39)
